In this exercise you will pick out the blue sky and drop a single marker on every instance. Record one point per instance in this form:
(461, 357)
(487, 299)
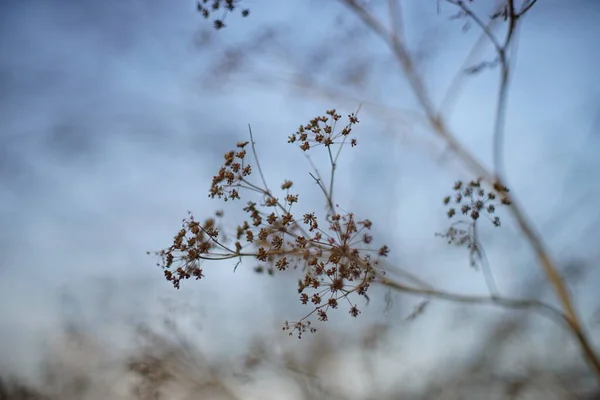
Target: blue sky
(111, 132)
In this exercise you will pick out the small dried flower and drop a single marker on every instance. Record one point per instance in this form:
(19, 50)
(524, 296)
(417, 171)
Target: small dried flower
(207, 7)
(219, 24)
(474, 200)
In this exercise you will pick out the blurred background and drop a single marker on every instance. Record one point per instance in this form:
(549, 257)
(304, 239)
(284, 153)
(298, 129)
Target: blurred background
(115, 115)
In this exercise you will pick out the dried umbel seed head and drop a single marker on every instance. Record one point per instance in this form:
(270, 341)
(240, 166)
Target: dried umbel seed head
(232, 176)
(299, 327)
(473, 200)
(207, 7)
(191, 244)
(334, 266)
(335, 256)
(321, 131)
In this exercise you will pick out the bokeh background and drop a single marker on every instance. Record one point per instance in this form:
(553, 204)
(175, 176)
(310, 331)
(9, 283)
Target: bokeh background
(115, 115)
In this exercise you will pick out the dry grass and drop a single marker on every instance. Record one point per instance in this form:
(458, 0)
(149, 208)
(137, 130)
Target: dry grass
(78, 366)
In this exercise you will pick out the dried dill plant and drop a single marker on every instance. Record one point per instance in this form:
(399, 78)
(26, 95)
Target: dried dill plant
(334, 254)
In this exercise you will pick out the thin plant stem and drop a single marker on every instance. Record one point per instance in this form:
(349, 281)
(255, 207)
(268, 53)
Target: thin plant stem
(253, 144)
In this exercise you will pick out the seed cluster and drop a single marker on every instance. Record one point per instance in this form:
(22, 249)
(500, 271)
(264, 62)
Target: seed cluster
(334, 255)
(208, 7)
(473, 201)
(322, 131)
(231, 176)
(191, 244)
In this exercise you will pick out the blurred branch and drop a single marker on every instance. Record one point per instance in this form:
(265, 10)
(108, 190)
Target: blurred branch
(528, 4)
(485, 28)
(395, 11)
(460, 75)
(518, 304)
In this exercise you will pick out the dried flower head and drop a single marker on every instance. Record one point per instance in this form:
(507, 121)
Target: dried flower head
(321, 131)
(193, 243)
(224, 7)
(333, 256)
(472, 201)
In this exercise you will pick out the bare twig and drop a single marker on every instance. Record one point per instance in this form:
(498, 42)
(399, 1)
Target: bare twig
(253, 144)
(485, 265)
(484, 27)
(460, 76)
(522, 304)
(395, 11)
(528, 4)
(503, 91)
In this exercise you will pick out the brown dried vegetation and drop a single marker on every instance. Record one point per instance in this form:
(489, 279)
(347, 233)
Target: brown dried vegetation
(334, 256)
(175, 368)
(209, 7)
(333, 253)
